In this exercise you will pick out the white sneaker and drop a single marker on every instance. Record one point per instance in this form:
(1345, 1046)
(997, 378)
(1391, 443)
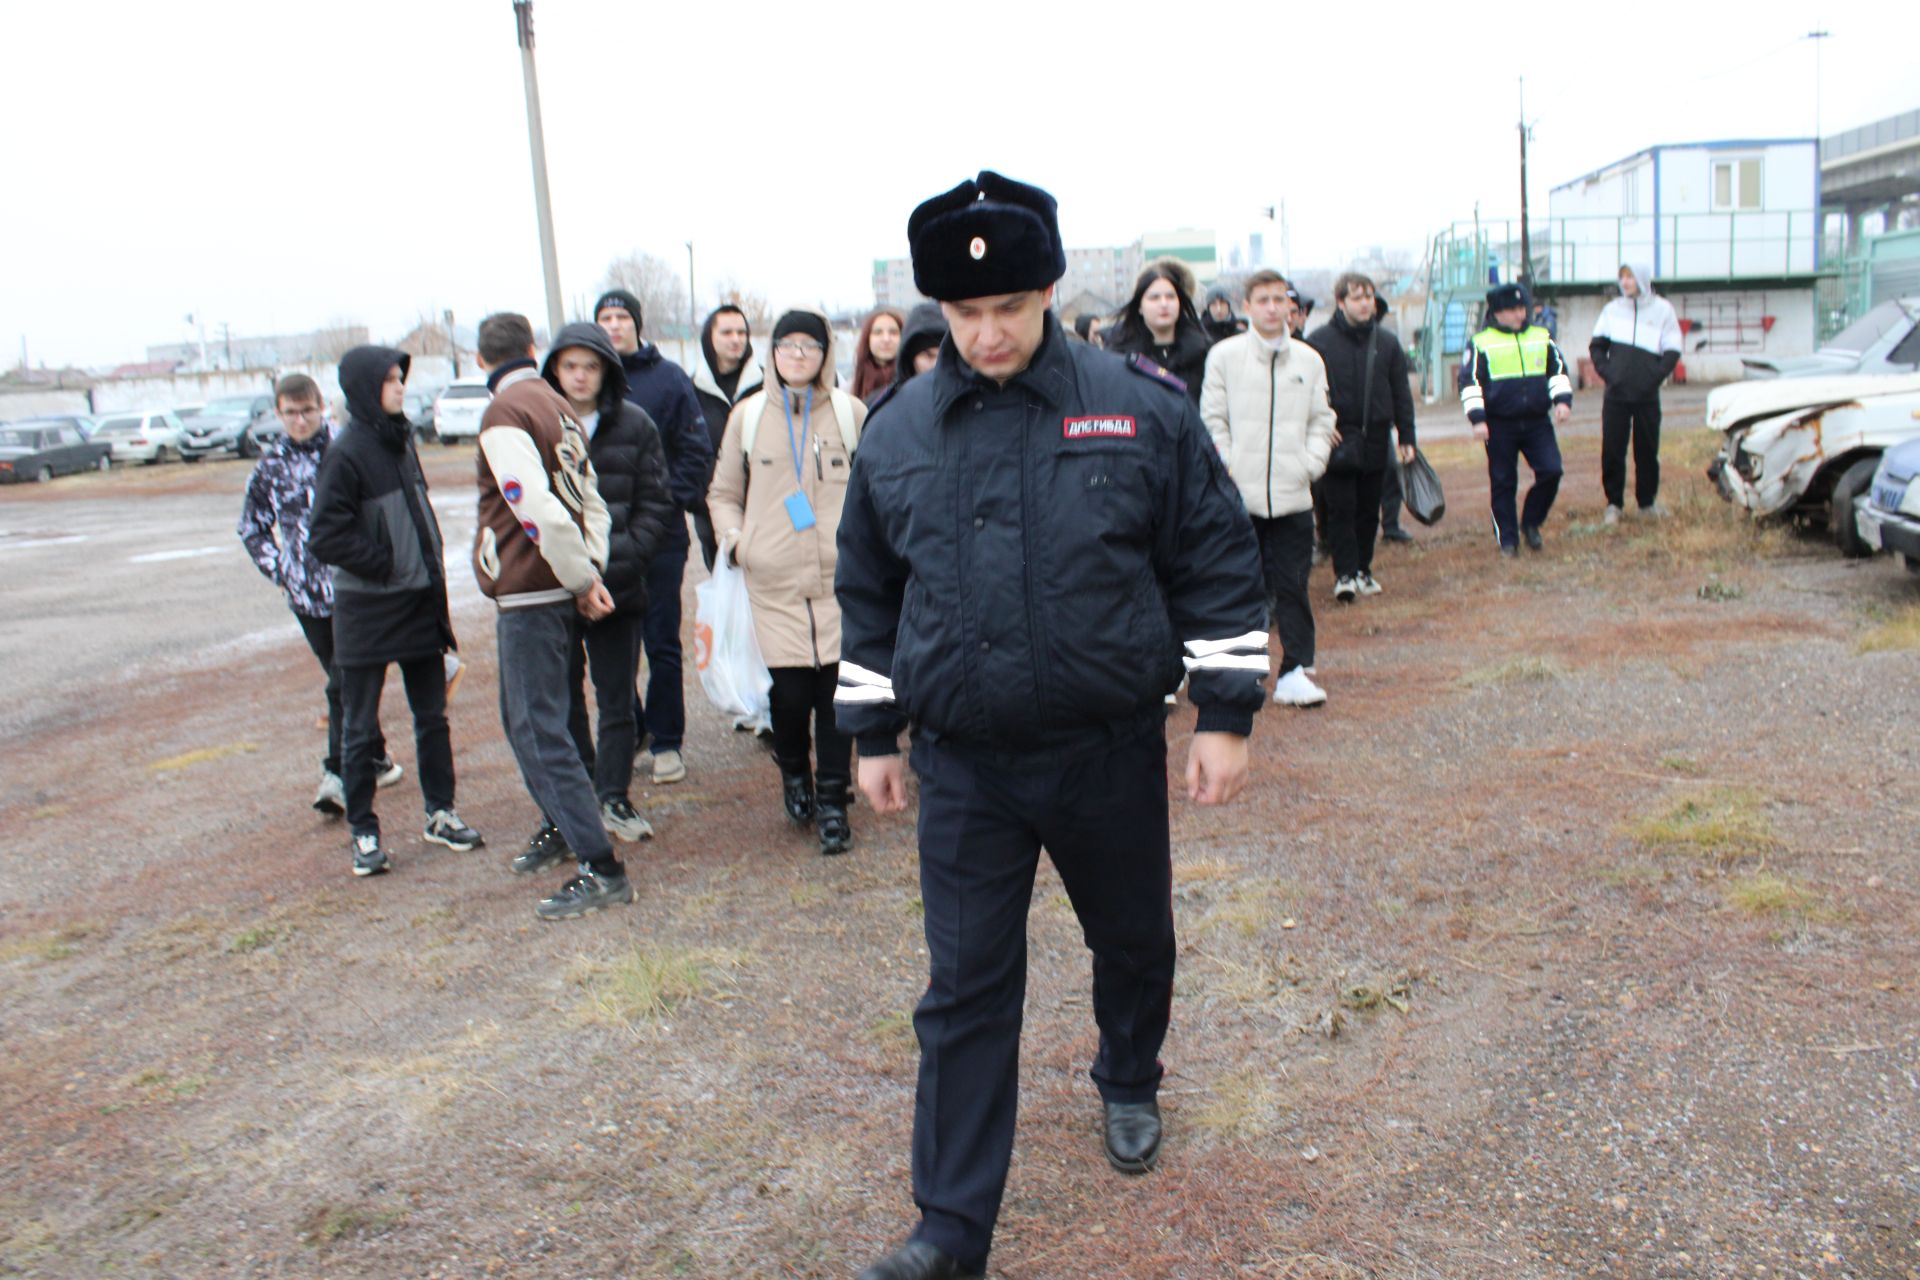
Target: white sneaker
(1654, 512)
(668, 767)
(1612, 517)
(1294, 689)
(1346, 589)
(455, 670)
(1368, 587)
(620, 818)
(387, 771)
(331, 799)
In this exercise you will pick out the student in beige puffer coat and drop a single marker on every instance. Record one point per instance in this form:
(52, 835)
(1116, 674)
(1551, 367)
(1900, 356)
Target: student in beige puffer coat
(778, 485)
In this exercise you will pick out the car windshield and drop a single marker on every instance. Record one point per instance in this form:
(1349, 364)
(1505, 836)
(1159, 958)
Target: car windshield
(184, 414)
(1868, 329)
(237, 406)
(466, 393)
(20, 439)
(118, 427)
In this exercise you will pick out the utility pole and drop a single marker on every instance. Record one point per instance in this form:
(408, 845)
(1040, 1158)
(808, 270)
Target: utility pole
(1817, 37)
(453, 343)
(693, 308)
(1526, 242)
(226, 336)
(536, 142)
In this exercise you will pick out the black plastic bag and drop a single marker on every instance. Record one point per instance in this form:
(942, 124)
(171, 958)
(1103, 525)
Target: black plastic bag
(1420, 489)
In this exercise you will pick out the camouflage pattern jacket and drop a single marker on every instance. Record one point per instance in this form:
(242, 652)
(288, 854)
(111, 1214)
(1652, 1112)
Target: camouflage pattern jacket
(280, 493)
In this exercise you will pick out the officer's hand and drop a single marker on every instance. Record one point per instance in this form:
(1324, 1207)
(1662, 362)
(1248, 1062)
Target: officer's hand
(1561, 412)
(1216, 767)
(883, 780)
(1406, 454)
(1480, 432)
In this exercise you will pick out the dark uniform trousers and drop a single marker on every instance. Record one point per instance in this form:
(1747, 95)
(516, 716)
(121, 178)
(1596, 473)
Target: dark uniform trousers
(1506, 442)
(1638, 421)
(1102, 817)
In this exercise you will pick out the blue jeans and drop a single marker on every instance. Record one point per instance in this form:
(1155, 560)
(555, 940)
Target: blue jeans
(662, 714)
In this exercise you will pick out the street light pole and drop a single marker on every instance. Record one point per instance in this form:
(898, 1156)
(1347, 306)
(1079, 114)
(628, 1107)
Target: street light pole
(1817, 37)
(1526, 242)
(693, 308)
(536, 142)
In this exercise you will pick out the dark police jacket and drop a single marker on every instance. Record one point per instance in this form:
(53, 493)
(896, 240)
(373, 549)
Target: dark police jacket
(1031, 568)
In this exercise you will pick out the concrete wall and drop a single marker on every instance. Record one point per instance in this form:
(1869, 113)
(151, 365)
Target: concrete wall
(15, 405)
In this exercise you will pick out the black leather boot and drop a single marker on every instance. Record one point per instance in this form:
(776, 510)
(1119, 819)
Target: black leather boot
(1132, 1135)
(836, 833)
(796, 793)
(917, 1260)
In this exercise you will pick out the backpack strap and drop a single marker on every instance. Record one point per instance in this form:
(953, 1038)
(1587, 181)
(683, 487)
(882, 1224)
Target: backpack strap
(843, 415)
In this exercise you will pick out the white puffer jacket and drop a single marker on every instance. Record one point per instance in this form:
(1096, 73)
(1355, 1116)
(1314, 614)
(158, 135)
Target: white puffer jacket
(1265, 405)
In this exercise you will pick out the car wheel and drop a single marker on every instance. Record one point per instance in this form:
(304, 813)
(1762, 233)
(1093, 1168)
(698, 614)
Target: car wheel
(248, 447)
(43, 475)
(1852, 483)
(104, 462)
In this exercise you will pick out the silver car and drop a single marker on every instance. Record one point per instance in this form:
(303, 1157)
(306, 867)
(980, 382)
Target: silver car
(151, 436)
(1885, 340)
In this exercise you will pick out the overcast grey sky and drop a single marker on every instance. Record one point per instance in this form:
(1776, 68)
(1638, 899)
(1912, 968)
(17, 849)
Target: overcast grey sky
(275, 165)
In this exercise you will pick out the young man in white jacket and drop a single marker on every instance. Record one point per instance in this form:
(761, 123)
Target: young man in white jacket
(1636, 345)
(1264, 400)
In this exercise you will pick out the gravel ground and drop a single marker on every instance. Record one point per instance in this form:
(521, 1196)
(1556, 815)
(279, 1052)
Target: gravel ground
(1574, 937)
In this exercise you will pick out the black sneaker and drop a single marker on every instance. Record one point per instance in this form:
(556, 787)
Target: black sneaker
(588, 891)
(620, 818)
(1531, 535)
(547, 848)
(369, 859)
(1395, 533)
(444, 827)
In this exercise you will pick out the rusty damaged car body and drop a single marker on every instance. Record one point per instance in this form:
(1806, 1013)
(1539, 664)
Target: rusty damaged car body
(1805, 448)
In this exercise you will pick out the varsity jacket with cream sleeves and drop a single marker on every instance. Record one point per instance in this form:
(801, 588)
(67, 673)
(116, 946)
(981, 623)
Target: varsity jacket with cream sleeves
(542, 535)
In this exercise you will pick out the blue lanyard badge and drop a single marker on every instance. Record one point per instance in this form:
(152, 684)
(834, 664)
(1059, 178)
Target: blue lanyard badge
(799, 510)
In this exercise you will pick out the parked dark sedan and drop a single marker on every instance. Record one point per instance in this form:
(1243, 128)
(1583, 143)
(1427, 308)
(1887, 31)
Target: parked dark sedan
(32, 451)
(207, 430)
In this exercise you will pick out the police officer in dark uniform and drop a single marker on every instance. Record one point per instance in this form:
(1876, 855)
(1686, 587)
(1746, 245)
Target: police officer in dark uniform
(1515, 387)
(1038, 542)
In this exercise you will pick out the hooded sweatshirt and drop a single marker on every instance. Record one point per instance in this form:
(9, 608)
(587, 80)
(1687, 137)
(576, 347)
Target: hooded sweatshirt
(789, 571)
(1636, 343)
(541, 538)
(663, 389)
(630, 470)
(719, 392)
(926, 327)
(371, 522)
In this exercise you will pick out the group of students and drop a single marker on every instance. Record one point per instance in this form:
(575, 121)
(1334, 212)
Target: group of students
(588, 474)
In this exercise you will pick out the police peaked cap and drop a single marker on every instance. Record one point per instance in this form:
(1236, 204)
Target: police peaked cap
(989, 235)
(1502, 296)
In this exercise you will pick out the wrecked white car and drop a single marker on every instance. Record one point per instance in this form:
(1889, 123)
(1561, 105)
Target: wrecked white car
(1805, 448)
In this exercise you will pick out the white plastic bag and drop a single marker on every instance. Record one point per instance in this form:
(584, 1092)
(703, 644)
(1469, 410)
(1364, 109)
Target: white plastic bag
(726, 650)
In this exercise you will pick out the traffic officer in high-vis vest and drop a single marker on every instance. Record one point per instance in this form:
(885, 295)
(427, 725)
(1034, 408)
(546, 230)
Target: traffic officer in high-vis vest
(1038, 541)
(1515, 388)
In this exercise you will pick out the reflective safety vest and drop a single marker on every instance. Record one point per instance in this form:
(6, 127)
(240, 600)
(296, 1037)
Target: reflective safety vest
(1514, 355)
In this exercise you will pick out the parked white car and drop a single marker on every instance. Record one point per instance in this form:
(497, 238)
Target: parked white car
(1807, 447)
(151, 436)
(457, 410)
(1888, 513)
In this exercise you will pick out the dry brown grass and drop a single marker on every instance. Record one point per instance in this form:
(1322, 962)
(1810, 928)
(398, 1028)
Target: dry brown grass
(644, 983)
(1765, 894)
(1519, 669)
(1898, 633)
(1241, 1104)
(1722, 823)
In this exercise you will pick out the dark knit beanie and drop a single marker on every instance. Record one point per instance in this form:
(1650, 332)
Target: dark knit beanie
(802, 322)
(1502, 296)
(619, 298)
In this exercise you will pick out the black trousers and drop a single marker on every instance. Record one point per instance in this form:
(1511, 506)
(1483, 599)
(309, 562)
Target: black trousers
(1353, 518)
(1391, 499)
(1506, 443)
(1102, 816)
(319, 633)
(360, 688)
(803, 726)
(1286, 559)
(1638, 421)
(610, 649)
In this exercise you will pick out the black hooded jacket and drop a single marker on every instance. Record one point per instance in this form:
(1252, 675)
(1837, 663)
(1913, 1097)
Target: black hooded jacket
(733, 387)
(372, 524)
(631, 469)
(1389, 406)
(925, 329)
(663, 389)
